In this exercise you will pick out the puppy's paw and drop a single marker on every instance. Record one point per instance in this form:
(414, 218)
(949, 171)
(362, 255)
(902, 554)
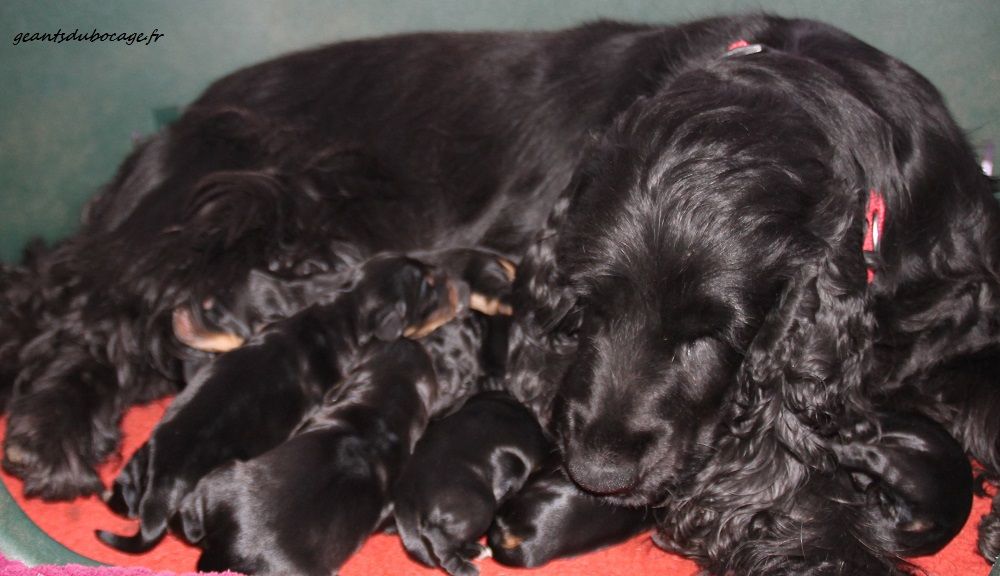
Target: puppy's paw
(490, 279)
(505, 546)
(457, 565)
(489, 306)
(508, 542)
(476, 551)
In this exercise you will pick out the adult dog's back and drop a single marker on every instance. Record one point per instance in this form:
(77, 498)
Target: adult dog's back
(407, 142)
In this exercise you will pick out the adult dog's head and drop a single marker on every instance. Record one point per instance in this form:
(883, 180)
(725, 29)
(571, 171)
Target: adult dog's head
(717, 225)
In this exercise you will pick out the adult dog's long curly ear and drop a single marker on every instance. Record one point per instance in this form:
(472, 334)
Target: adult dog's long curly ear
(544, 313)
(542, 300)
(544, 303)
(803, 373)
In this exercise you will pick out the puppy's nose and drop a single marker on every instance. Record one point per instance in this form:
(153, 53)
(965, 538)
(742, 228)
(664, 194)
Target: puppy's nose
(603, 472)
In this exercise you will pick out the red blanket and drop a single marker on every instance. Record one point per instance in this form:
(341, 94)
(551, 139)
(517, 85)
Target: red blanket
(73, 524)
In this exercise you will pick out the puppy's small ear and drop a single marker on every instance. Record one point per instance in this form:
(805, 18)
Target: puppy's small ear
(389, 322)
(803, 372)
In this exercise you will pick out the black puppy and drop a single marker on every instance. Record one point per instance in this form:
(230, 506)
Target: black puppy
(552, 518)
(916, 479)
(305, 506)
(224, 323)
(464, 356)
(250, 399)
(462, 469)
(225, 320)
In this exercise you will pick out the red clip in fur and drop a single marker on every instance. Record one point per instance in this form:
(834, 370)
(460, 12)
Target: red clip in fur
(737, 44)
(874, 224)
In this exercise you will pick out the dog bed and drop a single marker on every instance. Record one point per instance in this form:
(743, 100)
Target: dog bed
(38, 533)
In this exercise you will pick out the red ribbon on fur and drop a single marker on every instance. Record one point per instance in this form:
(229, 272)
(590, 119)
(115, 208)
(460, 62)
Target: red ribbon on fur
(874, 224)
(737, 44)
(742, 48)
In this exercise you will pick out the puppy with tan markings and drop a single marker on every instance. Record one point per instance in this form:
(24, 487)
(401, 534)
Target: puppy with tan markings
(331, 477)
(225, 321)
(249, 400)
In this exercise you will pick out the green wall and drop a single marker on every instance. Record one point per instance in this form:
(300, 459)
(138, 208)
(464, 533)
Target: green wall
(68, 111)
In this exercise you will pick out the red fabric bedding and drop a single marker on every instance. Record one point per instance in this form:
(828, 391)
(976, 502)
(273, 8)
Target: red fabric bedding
(73, 525)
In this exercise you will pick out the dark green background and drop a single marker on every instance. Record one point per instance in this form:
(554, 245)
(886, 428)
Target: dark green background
(68, 111)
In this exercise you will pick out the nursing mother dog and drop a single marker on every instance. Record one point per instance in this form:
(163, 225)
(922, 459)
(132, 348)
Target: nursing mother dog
(766, 275)
(704, 276)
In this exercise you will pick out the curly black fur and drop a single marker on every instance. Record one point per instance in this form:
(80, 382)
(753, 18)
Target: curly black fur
(701, 278)
(413, 142)
(707, 264)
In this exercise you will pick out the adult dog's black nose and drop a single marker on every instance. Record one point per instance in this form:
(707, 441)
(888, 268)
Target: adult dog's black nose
(603, 471)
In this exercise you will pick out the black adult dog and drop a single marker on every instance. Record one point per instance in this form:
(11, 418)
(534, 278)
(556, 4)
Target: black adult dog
(421, 141)
(778, 242)
(486, 131)
(249, 400)
(461, 470)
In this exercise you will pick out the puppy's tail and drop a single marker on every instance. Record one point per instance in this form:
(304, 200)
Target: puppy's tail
(142, 541)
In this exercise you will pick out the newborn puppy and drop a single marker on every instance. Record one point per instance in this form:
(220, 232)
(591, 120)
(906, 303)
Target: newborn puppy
(250, 399)
(916, 480)
(552, 518)
(305, 506)
(225, 321)
(463, 355)
(460, 472)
